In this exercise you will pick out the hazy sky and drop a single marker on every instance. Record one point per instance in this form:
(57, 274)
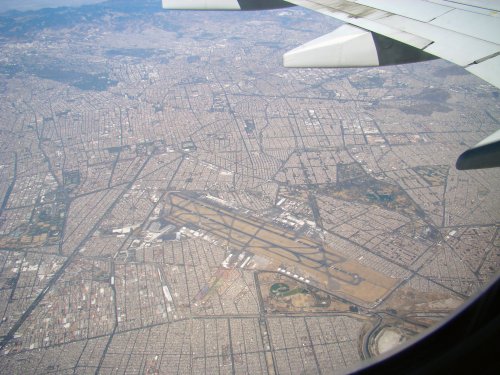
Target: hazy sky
(6, 5)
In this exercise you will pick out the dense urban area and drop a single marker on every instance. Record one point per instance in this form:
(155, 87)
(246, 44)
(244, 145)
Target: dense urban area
(173, 200)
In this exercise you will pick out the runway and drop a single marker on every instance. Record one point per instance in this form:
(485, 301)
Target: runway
(313, 260)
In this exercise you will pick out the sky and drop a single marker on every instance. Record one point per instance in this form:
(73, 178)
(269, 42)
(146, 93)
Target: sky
(22, 5)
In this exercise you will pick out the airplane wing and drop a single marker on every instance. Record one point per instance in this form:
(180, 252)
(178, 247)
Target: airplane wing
(387, 32)
(464, 32)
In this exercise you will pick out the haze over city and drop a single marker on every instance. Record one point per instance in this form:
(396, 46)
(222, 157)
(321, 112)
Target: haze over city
(174, 200)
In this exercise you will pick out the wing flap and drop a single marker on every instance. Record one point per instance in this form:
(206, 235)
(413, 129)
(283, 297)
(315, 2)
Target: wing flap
(386, 30)
(438, 28)
(466, 23)
(489, 70)
(455, 47)
(479, 6)
(414, 9)
(466, 33)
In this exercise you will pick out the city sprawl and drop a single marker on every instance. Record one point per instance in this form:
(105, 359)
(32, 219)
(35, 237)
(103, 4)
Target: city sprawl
(173, 200)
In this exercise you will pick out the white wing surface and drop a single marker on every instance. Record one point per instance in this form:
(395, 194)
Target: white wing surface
(387, 32)
(384, 32)
(466, 33)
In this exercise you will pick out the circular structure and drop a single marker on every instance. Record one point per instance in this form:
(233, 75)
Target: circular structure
(279, 289)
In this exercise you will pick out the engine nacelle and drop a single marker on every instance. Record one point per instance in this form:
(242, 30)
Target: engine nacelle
(350, 46)
(225, 4)
(486, 154)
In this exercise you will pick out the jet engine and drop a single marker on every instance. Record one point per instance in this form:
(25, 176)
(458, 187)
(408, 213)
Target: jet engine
(351, 46)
